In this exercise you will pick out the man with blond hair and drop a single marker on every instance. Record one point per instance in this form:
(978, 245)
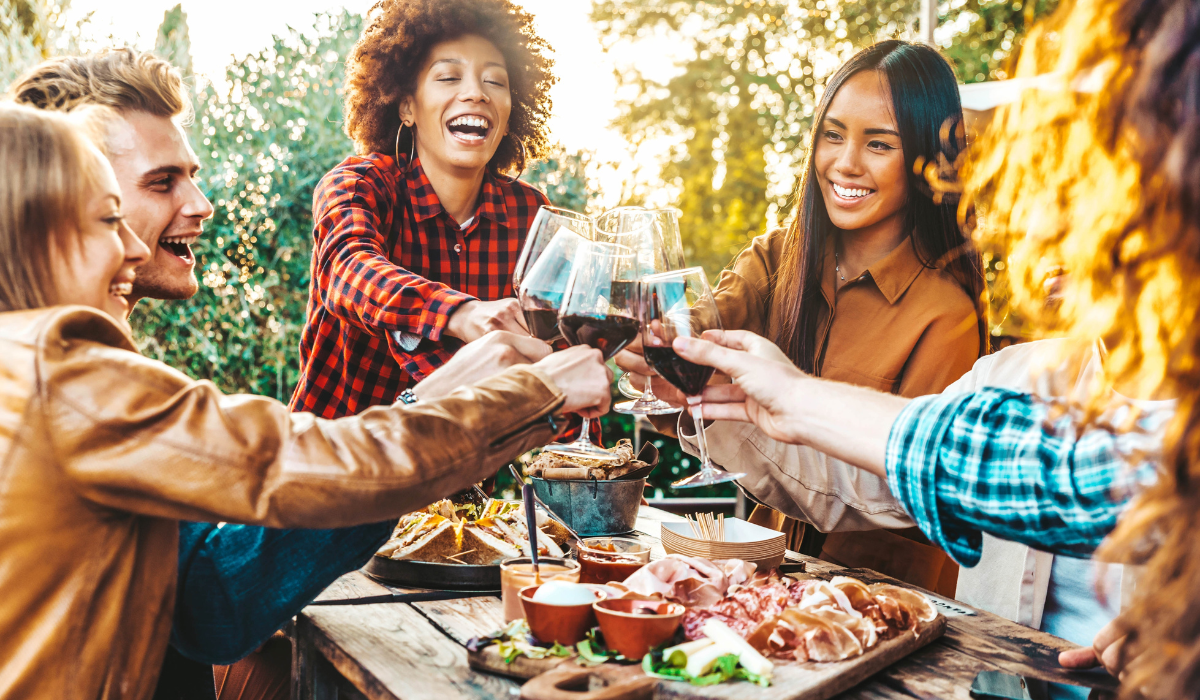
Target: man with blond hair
(221, 614)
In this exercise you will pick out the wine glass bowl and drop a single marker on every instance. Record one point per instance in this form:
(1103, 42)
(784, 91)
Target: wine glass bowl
(654, 234)
(672, 305)
(599, 310)
(547, 223)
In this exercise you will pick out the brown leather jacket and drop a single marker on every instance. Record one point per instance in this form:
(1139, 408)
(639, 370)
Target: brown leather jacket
(104, 450)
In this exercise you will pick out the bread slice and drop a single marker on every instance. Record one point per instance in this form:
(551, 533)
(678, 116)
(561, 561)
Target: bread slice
(482, 547)
(433, 539)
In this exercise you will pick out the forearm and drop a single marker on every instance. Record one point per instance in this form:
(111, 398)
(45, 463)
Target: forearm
(993, 461)
(846, 422)
(361, 286)
(800, 481)
(248, 459)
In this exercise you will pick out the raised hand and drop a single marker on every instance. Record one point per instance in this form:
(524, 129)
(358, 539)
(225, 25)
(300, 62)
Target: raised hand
(491, 354)
(581, 374)
(766, 385)
(631, 360)
(475, 319)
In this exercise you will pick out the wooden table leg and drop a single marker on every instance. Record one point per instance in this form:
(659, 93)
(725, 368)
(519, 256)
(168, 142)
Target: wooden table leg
(313, 677)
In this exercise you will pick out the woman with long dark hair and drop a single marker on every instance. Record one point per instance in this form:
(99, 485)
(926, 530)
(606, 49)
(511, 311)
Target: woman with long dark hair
(874, 284)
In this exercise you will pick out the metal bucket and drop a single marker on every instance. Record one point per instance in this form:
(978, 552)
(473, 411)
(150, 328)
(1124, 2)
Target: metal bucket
(593, 508)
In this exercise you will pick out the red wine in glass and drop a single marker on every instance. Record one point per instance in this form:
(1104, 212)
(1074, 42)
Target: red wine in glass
(598, 310)
(608, 334)
(680, 304)
(543, 323)
(688, 377)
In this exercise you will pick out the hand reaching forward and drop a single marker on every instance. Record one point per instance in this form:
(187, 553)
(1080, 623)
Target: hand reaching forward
(581, 374)
(491, 354)
(765, 388)
(475, 319)
(849, 423)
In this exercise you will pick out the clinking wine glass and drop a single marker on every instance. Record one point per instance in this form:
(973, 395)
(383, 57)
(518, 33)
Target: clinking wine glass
(543, 289)
(546, 224)
(654, 235)
(599, 310)
(673, 305)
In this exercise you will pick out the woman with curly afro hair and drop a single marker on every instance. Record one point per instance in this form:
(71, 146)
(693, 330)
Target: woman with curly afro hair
(417, 234)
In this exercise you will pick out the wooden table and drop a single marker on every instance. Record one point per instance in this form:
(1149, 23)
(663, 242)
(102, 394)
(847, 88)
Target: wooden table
(414, 651)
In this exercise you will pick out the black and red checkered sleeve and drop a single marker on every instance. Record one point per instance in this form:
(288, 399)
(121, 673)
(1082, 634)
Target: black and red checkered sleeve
(357, 282)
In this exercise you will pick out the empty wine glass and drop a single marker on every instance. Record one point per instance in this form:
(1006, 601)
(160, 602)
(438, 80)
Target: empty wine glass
(599, 309)
(546, 224)
(680, 304)
(654, 234)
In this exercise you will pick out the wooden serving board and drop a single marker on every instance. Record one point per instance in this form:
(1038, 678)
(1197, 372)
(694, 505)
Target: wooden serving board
(792, 681)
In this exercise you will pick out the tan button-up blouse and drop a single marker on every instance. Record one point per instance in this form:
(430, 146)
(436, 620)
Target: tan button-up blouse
(900, 327)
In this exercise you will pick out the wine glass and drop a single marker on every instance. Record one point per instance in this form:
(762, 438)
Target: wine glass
(599, 309)
(673, 305)
(546, 224)
(543, 289)
(654, 234)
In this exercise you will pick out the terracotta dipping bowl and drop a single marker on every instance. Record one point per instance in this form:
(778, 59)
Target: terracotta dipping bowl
(633, 627)
(564, 624)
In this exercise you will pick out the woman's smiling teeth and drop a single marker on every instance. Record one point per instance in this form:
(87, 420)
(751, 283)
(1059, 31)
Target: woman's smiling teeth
(469, 127)
(850, 193)
(120, 289)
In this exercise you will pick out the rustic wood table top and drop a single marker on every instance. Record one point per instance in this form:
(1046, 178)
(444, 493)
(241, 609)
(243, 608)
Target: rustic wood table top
(411, 651)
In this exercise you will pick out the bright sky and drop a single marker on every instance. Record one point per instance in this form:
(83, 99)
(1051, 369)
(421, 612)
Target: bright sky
(219, 29)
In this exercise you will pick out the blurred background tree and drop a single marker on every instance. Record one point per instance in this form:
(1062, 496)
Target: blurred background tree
(741, 101)
(32, 31)
(264, 141)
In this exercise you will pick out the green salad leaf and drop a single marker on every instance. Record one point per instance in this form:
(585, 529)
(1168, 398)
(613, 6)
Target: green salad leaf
(725, 669)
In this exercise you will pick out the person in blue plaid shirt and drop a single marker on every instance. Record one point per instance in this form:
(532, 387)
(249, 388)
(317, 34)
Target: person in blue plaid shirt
(994, 460)
(990, 461)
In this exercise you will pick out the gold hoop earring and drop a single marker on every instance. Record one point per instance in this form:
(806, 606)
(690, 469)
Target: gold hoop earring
(412, 149)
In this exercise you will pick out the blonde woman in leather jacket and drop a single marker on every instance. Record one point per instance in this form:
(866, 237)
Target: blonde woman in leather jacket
(102, 451)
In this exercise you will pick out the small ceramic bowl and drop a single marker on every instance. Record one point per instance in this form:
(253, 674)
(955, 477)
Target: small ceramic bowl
(564, 624)
(633, 627)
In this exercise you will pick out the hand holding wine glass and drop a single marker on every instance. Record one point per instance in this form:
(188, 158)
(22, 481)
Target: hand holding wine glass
(673, 305)
(598, 310)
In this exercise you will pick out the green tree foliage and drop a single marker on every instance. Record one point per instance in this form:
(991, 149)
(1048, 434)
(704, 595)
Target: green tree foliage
(264, 142)
(987, 33)
(741, 102)
(32, 31)
(172, 42)
(562, 176)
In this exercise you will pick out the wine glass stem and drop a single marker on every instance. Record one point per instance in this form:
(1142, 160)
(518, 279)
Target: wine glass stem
(585, 433)
(648, 395)
(701, 442)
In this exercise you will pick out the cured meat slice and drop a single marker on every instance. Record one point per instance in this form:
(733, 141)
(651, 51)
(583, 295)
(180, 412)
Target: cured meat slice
(916, 603)
(692, 581)
(805, 636)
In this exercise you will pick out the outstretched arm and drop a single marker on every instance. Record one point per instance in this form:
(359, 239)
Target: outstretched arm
(987, 461)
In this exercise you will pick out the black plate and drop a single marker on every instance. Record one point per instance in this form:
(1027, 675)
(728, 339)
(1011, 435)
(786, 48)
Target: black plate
(444, 577)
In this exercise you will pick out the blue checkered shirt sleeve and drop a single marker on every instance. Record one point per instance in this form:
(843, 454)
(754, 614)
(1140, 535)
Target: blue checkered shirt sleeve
(993, 461)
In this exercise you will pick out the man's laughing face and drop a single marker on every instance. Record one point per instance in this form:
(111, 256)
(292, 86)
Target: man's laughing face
(155, 168)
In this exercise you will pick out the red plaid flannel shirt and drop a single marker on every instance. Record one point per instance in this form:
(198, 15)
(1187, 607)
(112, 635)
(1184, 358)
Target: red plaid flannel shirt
(387, 257)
